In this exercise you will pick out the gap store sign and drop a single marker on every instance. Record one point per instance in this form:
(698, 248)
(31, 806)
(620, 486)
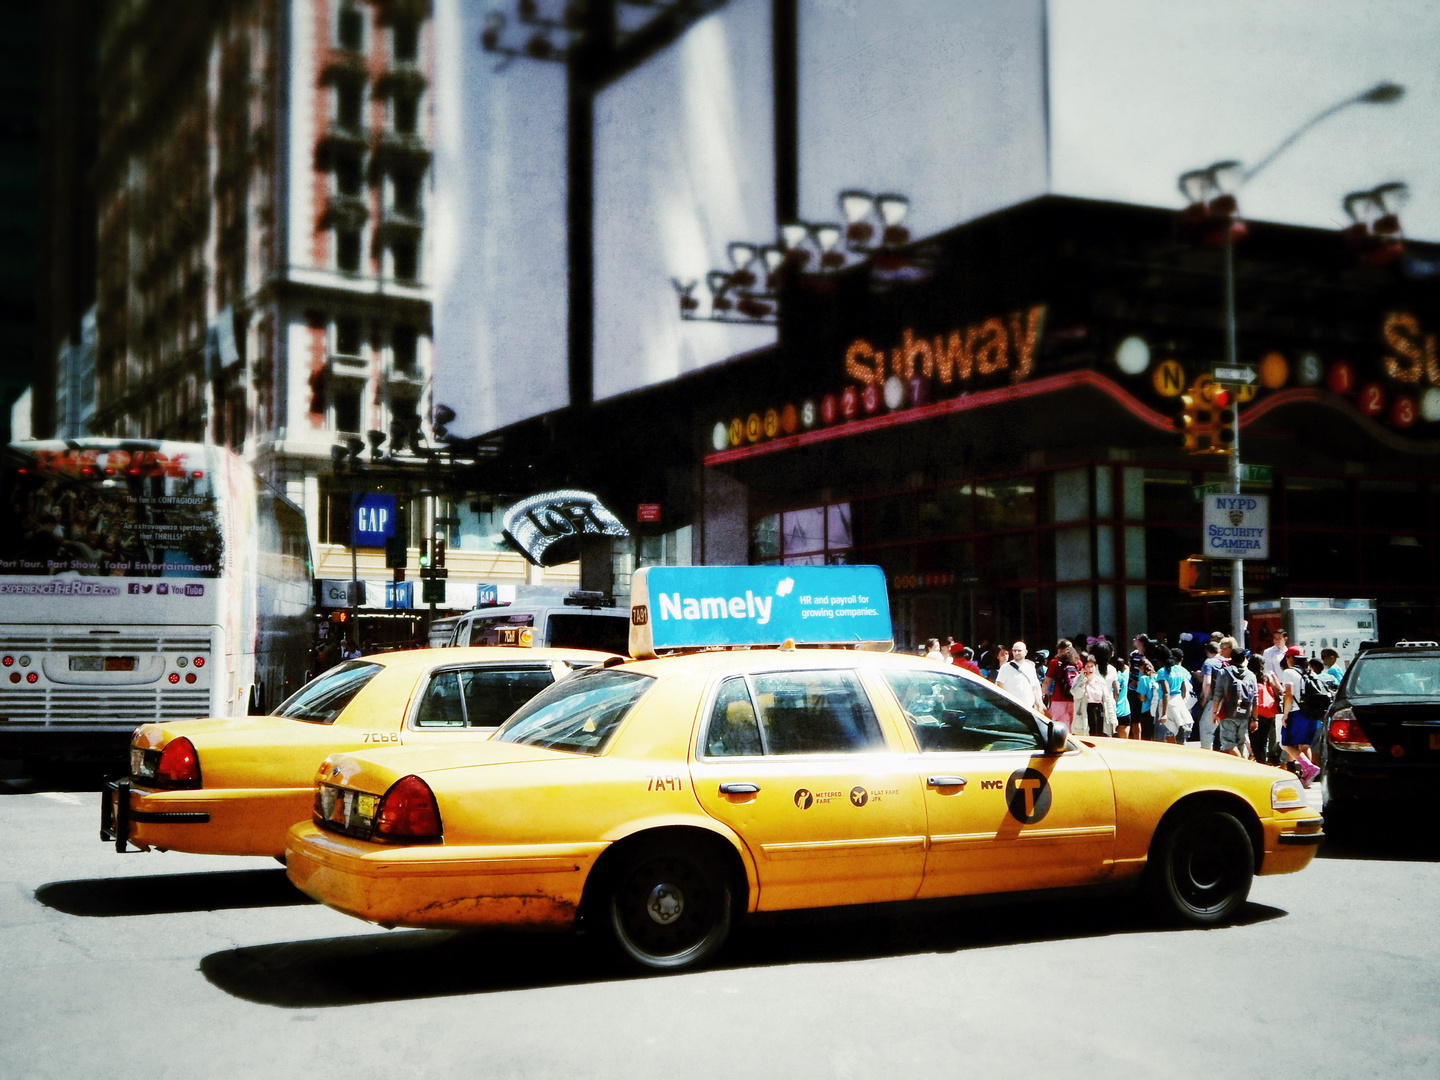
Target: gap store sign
(686, 607)
(372, 521)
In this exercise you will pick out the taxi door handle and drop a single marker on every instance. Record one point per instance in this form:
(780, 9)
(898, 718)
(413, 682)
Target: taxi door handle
(739, 789)
(945, 781)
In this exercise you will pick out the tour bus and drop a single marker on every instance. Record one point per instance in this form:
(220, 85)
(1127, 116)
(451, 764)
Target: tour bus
(142, 581)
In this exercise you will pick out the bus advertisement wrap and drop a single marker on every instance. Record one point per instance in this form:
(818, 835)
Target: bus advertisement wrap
(686, 607)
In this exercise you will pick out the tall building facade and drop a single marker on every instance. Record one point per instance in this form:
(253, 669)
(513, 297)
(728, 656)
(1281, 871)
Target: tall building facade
(263, 176)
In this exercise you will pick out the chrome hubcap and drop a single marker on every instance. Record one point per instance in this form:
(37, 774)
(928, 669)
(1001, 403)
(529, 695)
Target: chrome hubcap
(666, 904)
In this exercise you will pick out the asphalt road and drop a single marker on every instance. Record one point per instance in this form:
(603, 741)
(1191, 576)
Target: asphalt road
(173, 965)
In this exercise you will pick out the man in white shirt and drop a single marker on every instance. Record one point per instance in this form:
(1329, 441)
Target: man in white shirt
(1018, 676)
(1273, 654)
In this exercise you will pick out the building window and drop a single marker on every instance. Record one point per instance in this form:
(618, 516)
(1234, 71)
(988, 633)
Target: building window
(346, 404)
(404, 253)
(406, 41)
(404, 344)
(350, 31)
(407, 193)
(347, 337)
(405, 109)
(347, 250)
(347, 105)
(347, 174)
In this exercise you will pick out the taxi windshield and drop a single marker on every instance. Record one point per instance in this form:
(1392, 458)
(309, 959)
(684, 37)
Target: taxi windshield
(322, 699)
(577, 714)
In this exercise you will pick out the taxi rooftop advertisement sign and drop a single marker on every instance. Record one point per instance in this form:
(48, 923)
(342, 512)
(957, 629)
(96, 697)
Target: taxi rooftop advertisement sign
(688, 607)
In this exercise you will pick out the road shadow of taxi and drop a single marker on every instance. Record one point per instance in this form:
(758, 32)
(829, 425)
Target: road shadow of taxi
(660, 801)
(408, 965)
(171, 894)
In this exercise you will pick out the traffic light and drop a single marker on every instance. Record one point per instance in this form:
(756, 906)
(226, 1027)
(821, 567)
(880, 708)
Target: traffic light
(439, 553)
(1196, 424)
(1225, 413)
(397, 552)
(424, 554)
(1195, 575)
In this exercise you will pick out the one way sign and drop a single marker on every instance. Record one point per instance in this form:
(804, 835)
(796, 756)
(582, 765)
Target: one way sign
(1243, 374)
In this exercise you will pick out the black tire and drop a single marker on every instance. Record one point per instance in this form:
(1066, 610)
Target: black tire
(1202, 867)
(668, 908)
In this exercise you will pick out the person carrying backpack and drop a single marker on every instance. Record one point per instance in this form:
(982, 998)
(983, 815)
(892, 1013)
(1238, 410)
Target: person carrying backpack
(1264, 739)
(1237, 692)
(1300, 729)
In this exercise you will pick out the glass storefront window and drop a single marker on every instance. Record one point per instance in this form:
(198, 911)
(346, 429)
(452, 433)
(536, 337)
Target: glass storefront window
(1104, 551)
(1006, 558)
(765, 538)
(1135, 553)
(1070, 495)
(1168, 497)
(1133, 483)
(1395, 560)
(1005, 504)
(1072, 554)
(1316, 501)
(803, 530)
(1321, 561)
(945, 512)
(1390, 503)
(837, 527)
(1104, 491)
(1137, 612)
(885, 520)
(1074, 617)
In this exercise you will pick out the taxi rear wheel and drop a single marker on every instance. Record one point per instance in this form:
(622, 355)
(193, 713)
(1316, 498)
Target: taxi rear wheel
(668, 908)
(1205, 867)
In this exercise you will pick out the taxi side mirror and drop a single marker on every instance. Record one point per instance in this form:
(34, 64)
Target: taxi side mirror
(1055, 738)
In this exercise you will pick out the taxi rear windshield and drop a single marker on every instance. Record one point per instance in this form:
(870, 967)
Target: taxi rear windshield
(322, 699)
(577, 714)
(1396, 676)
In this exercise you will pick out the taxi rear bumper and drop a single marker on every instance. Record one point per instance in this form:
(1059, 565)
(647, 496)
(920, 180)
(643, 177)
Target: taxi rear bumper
(205, 821)
(517, 887)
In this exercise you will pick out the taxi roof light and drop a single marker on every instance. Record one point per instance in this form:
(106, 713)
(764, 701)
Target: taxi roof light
(179, 764)
(408, 813)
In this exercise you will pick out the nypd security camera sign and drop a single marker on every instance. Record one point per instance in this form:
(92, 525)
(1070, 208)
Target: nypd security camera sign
(1236, 527)
(687, 607)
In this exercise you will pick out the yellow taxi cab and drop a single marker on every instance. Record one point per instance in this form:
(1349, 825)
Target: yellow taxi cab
(234, 786)
(662, 798)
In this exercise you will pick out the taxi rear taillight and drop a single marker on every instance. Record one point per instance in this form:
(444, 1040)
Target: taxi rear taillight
(408, 814)
(176, 766)
(1345, 732)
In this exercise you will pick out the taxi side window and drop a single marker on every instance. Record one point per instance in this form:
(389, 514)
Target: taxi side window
(950, 712)
(440, 706)
(492, 694)
(734, 729)
(815, 712)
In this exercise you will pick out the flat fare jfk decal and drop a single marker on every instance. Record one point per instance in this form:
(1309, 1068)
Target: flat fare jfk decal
(910, 372)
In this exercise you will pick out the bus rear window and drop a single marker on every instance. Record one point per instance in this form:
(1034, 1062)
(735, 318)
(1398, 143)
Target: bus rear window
(108, 512)
(322, 699)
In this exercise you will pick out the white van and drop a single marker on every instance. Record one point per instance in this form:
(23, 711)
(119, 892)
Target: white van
(578, 621)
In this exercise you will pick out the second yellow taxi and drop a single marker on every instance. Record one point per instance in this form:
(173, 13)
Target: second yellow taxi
(663, 798)
(234, 785)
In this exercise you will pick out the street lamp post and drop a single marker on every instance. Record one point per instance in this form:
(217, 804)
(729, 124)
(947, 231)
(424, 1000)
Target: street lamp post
(1214, 189)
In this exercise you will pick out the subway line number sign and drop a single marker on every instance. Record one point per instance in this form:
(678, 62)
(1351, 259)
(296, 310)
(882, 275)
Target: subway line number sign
(1236, 527)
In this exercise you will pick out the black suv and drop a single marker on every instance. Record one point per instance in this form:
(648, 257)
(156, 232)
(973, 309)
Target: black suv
(1382, 736)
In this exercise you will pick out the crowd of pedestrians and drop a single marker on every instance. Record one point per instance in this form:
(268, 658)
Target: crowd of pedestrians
(1268, 706)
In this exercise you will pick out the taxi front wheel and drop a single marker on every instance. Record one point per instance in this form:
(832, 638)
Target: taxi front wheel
(1203, 868)
(669, 908)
